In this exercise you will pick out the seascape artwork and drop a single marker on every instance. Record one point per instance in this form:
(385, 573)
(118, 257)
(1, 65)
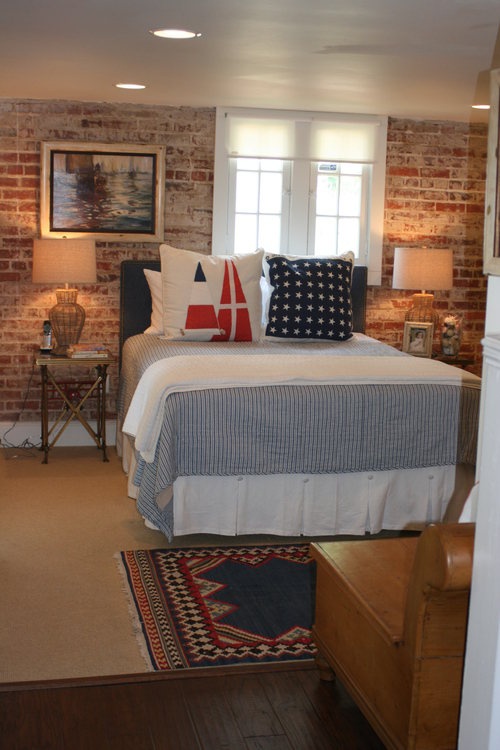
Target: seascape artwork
(103, 192)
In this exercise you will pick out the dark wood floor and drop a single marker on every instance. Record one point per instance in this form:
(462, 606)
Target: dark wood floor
(278, 710)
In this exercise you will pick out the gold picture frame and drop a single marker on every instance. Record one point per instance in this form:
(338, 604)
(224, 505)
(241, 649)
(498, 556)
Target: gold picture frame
(491, 258)
(101, 190)
(417, 338)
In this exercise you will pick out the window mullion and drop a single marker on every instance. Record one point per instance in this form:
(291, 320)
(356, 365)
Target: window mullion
(231, 208)
(285, 206)
(312, 200)
(299, 209)
(364, 217)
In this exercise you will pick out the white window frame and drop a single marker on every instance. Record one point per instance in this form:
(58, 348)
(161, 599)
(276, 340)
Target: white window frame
(371, 254)
(365, 178)
(231, 205)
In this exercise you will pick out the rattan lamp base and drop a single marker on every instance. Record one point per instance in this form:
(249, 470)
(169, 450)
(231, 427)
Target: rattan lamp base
(67, 319)
(422, 310)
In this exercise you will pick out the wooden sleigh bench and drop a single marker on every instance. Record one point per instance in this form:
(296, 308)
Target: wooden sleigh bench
(390, 622)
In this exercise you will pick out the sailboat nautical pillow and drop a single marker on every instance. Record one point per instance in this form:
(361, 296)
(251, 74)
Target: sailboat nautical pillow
(211, 297)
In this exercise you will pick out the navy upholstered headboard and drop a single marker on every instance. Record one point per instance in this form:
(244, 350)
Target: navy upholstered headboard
(135, 299)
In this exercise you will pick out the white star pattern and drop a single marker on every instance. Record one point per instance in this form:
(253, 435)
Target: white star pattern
(328, 313)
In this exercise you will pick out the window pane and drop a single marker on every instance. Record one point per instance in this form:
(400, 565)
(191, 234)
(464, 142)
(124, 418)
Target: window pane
(327, 189)
(325, 240)
(347, 168)
(247, 164)
(338, 195)
(245, 233)
(271, 165)
(270, 233)
(349, 236)
(350, 196)
(270, 192)
(247, 191)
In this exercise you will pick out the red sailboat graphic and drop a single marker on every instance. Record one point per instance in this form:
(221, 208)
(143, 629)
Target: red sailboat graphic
(233, 317)
(232, 320)
(201, 317)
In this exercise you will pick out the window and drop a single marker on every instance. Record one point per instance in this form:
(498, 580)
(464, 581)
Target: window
(258, 203)
(300, 183)
(337, 208)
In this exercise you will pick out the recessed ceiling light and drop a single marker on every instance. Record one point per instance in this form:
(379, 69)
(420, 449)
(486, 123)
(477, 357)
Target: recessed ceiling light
(175, 33)
(130, 86)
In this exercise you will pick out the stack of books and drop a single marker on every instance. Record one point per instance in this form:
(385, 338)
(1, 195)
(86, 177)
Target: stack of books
(88, 351)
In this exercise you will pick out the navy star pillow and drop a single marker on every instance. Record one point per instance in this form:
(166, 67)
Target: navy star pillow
(310, 298)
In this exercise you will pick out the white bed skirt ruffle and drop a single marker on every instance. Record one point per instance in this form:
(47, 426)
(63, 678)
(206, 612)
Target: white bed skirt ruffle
(313, 505)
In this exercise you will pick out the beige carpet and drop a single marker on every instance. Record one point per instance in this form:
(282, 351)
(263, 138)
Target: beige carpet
(63, 613)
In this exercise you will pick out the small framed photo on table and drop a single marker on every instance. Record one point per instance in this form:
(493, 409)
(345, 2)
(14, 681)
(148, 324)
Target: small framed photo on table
(417, 338)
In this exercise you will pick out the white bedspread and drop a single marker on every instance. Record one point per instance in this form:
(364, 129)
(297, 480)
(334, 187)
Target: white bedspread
(185, 373)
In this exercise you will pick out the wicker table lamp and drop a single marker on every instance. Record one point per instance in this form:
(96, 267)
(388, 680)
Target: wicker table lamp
(68, 261)
(422, 268)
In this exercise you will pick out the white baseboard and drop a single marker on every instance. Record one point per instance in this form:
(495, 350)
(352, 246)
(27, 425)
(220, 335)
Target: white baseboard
(73, 435)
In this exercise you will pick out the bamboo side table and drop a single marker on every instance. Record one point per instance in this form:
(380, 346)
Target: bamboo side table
(74, 394)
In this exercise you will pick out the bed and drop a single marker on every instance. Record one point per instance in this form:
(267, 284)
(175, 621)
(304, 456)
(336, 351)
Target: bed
(240, 440)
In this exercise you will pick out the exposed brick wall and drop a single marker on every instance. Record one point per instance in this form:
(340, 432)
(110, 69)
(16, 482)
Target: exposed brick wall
(188, 135)
(434, 196)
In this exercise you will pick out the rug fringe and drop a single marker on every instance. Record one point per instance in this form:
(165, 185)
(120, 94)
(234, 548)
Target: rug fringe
(134, 617)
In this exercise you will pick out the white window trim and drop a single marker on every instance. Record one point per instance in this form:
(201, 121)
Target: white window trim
(376, 207)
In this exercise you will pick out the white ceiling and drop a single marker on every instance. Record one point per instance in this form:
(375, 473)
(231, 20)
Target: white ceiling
(406, 58)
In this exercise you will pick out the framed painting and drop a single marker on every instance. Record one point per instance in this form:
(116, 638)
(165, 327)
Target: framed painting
(491, 263)
(108, 192)
(417, 338)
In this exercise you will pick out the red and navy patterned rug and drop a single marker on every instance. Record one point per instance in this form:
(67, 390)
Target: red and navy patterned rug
(222, 606)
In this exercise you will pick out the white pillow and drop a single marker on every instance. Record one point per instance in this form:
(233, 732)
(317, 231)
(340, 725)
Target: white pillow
(155, 287)
(211, 297)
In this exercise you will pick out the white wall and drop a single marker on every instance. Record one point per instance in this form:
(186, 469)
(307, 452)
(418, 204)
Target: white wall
(480, 714)
(493, 305)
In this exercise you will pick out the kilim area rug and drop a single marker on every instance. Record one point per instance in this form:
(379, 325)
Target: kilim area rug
(221, 606)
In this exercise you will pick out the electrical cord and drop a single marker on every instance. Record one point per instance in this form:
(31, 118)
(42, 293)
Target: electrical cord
(27, 445)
